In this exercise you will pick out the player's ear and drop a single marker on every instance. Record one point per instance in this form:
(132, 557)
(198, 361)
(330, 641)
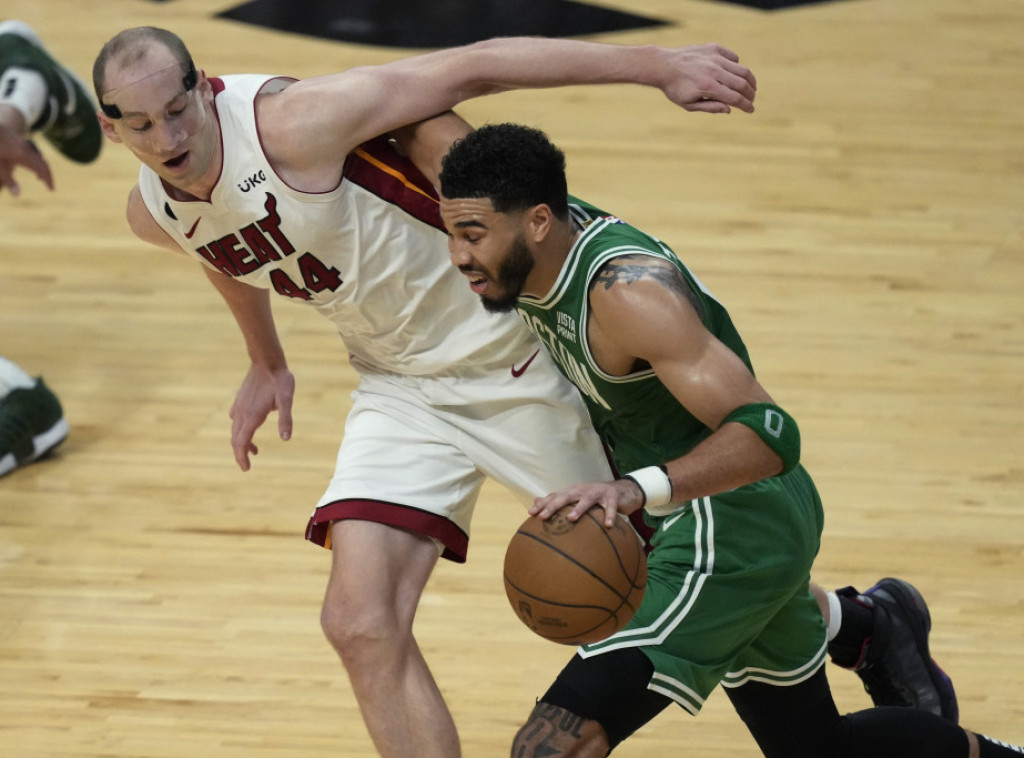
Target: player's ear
(204, 85)
(539, 220)
(107, 126)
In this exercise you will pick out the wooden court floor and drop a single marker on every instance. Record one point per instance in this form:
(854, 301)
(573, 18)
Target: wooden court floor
(865, 227)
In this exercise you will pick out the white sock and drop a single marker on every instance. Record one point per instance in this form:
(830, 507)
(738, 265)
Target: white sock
(26, 91)
(835, 615)
(12, 376)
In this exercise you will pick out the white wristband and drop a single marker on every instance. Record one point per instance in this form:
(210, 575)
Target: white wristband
(655, 485)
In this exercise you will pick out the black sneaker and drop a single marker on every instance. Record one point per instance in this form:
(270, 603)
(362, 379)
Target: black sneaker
(69, 120)
(895, 665)
(31, 425)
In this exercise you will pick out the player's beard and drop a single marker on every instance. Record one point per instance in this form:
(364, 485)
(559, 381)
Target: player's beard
(511, 278)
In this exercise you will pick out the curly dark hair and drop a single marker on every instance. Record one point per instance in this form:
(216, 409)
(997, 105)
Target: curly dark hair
(515, 166)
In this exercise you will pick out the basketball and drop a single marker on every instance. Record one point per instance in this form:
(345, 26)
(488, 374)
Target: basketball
(575, 582)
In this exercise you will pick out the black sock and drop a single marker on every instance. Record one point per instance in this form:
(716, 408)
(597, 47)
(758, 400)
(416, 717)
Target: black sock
(990, 748)
(858, 624)
(904, 733)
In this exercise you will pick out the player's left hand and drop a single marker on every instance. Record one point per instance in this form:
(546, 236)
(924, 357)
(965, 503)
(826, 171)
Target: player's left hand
(621, 496)
(709, 79)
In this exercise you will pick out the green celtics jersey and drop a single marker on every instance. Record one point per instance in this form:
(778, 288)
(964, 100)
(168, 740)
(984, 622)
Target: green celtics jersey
(637, 417)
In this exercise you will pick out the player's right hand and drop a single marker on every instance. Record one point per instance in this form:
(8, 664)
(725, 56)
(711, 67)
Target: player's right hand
(16, 150)
(621, 496)
(709, 79)
(261, 392)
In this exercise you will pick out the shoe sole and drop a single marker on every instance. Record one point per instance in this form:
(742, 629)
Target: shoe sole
(906, 594)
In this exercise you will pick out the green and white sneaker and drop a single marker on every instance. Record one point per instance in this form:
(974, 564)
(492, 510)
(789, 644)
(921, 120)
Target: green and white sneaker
(32, 424)
(69, 119)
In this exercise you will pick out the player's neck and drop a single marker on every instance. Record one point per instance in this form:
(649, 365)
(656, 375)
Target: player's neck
(549, 257)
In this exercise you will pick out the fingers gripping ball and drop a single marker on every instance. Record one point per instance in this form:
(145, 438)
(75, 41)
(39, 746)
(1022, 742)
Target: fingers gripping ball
(575, 582)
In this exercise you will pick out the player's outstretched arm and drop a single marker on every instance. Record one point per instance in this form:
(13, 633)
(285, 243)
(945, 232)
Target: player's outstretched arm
(323, 118)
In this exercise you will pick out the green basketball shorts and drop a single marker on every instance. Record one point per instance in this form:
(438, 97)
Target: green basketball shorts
(727, 596)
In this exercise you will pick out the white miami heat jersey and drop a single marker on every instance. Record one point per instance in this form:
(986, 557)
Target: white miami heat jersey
(370, 255)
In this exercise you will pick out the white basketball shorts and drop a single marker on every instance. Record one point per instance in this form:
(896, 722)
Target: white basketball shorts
(416, 449)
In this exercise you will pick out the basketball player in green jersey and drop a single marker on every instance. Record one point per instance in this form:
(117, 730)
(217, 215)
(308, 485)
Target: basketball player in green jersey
(713, 461)
(38, 95)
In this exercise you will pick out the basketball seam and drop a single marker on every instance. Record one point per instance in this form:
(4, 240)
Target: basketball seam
(625, 600)
(573, 561)
(618, 555)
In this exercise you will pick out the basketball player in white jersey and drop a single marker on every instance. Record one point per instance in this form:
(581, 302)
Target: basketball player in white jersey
(283, 187)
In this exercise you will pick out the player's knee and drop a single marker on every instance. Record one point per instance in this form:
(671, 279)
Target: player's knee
(359, 631)
(552, 730)
(335, 626)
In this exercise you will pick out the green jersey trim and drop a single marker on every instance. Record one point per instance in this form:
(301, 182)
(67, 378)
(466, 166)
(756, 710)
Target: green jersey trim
(565, 277)
(677, 691)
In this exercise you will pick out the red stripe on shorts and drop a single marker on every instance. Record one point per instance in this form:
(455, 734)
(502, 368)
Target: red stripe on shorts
(455, 541)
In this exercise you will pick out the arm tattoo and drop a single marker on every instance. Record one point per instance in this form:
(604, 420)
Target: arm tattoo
(631, 268)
